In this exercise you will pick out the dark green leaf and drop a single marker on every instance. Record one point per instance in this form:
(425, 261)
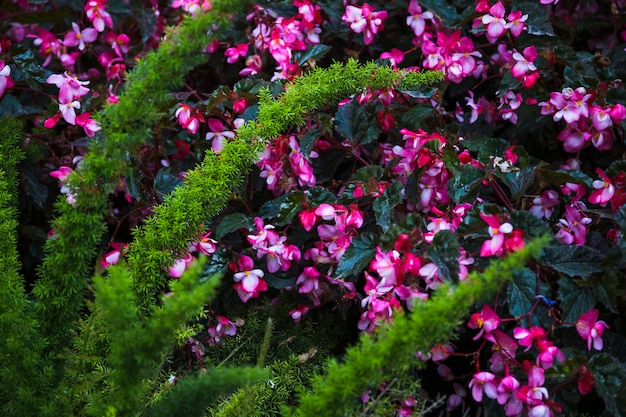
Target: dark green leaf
(307, 141)
(609, 382)
(364, 174)
(165, 183)
(451, 159)
(574, 261)
(357, 123)
(289, 208)
(11, 106)
(414, 118)
(384, 205)
(465, 187)
(217, 263)
(605, 287)
(507, 83)
(232, 223)
(34, 74)
(326, 167)
(549, 178)
(486, 147)
(314, 52)
(522, 292)
(445, 252)
(357, 256)
(35, 189)
(519, 181)
(147, 20)
(280, 279)
(271, 208)
(575, 300)
(532, 226)
(538, 22)
(443, 10)
(319, 195)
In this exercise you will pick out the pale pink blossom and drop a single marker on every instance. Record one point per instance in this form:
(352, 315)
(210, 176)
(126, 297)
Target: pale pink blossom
(417, 18)
(591, 329)
(78, 37)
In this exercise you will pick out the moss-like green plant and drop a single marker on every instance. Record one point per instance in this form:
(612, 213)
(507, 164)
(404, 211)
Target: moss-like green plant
(138, 345)
(24, 370)
(334, 393)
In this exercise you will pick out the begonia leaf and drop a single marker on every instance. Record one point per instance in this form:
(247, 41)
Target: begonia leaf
(445, 252)
(414, 118)
(312, 52)
(284, 208)
(364, 174)
(575, 300)
(522, 292)
(580, 261)
(466, 186)
(279, 279)
(217, 263)
(326, 167)
(33, 186)
(608, 375)
(443, 10)
(532, 226)
(165, 183)
(233, 222)
(384, 205)
(358, 255)
(538, 22)
(357, 123)
(34, 74)
(519, 181)
(319, 195)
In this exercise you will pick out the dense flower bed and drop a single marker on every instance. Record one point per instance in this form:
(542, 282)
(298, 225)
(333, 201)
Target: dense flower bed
(368, 207)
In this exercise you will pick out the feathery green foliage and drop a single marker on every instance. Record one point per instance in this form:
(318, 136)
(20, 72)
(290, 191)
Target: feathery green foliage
(431, 323)
(21, 350)
(138, 345)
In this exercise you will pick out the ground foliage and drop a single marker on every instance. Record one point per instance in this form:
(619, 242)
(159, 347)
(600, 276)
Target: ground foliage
(350, 170)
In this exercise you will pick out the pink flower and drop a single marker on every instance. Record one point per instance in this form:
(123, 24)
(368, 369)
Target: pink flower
(299, 312)
(604, 190)
(217, 135)
(487, 321)
(113, 256)
(176, 270)
(573, 227)
(234, 53)
(543, 205)
(497, 231)
(62, 173)
(67, 106)
(483, 382)
(516, 23)
(417, 18)
(364, 20)
(5, 77)
(85, 121)
(590, 328)
(78, 37)
(494, 21)
(395, 56)
(189, 118)
(248, 282)
(524, 63)
(69, 86)
(224, 327)
(97, 15)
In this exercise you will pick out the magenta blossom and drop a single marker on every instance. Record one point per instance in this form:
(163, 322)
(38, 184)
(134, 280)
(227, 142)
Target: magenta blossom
(5, 77)
(497, 231)
(364, 20)
(483, 382)
(590, 328)
(495, 22)
(417, 18)
(524, 62)
(78, 37)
